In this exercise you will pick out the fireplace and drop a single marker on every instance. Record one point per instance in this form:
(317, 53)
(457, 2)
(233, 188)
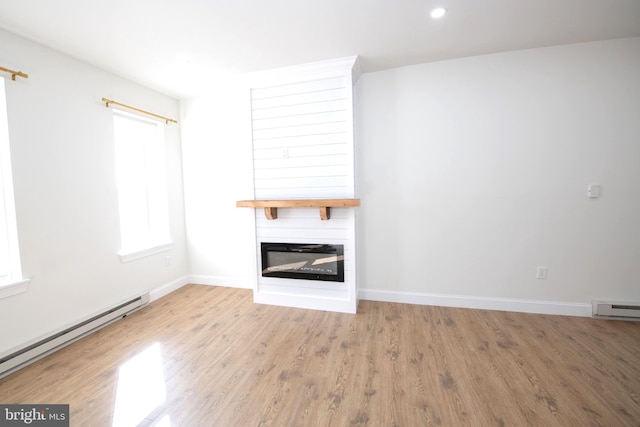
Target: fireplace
(308, 261)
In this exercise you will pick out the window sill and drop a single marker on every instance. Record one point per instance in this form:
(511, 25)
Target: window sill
(134, 255)
(14, 288)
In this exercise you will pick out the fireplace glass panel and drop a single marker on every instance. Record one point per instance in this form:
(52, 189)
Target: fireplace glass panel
(303, 261)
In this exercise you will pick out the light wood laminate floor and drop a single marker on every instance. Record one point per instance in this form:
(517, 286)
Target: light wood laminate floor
(208, 356)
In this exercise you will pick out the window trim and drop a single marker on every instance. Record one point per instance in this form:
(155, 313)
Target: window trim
(14, 288)
(129, 256)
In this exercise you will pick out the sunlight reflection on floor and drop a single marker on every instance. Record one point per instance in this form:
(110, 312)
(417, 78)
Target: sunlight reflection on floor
(141, 390)
(164, 422)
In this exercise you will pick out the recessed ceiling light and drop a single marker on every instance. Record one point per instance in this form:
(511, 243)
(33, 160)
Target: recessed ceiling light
(438, 12)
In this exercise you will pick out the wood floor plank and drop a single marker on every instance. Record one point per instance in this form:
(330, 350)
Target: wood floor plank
(225, 361)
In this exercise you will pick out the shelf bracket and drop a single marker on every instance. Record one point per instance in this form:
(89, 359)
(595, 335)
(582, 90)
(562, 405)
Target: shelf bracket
(271, 213)
(325, 213)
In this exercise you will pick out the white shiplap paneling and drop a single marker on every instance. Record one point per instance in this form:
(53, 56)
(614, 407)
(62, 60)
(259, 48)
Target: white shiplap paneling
(316, 140)
(300, 109)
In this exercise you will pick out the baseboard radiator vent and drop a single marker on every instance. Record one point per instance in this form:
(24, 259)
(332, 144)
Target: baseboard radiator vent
(616, 310)
(16, 360)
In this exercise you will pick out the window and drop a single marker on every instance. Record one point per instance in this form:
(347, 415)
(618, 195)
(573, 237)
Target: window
(142, 186)
(11, 280)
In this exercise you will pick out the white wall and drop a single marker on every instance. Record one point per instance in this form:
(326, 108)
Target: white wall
(474, 171)
(63, 166)
(218, 171)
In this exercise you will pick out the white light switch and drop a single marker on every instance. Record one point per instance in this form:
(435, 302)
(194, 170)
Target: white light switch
(593, 191)
(541, 272)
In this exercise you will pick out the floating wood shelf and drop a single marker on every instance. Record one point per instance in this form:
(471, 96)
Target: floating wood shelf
(271, 206)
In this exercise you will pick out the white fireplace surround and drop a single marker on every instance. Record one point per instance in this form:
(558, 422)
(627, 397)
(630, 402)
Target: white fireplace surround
(303, 148)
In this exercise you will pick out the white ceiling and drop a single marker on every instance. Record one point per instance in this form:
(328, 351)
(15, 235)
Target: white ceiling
(180, 46)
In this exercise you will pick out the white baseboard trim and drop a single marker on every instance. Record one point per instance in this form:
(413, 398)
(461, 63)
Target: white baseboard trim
(228, 282)
(167, 288)
(484, 303)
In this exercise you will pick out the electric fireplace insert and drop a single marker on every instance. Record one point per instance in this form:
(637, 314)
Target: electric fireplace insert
(308, 261)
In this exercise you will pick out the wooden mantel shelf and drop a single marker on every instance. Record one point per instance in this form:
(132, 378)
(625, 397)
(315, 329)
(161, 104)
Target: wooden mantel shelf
(271, 206)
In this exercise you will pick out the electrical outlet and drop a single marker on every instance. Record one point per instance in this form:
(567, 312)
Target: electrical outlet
(167, 261)
(593, 191)
(541, 272)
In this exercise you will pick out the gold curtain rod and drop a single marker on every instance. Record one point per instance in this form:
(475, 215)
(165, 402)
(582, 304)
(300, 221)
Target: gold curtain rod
(14, 73)
(111, 101)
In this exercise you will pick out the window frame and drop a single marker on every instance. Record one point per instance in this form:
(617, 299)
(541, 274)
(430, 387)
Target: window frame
(12, 281)
(159, 240)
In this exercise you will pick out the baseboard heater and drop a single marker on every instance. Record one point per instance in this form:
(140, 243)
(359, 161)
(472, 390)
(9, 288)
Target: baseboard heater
(40, 349)
(616, 310)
